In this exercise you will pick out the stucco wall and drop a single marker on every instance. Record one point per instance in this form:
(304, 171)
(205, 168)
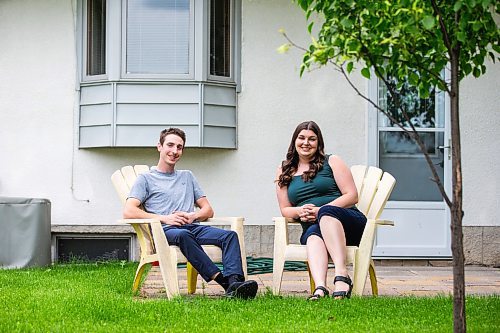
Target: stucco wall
(37, 91)
(38, 115)
(480, 134)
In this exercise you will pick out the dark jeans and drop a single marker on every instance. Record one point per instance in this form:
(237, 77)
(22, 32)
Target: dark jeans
(353, 222)
(190, 237)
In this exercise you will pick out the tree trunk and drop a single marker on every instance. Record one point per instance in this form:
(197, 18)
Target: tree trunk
(457, 249)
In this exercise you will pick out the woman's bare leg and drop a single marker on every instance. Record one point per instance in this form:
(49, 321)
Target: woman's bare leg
(317, 257)
(334, 237)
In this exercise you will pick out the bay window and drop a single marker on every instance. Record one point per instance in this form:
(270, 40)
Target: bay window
(151, 64)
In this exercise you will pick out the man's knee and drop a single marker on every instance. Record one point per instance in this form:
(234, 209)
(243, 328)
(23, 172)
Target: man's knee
(230, 235)
(181, 236)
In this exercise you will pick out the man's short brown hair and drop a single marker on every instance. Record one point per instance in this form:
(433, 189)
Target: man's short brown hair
(172, 130)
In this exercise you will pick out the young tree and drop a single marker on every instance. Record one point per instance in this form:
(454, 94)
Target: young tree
(408, 44)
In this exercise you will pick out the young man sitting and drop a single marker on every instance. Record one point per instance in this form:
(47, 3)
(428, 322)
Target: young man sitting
(170, 195)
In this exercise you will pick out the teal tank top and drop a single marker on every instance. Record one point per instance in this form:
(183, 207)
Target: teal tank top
(319, 191)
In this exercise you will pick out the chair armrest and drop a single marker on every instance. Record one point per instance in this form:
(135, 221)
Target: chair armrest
(236, 223)
(139, 221)
(281, 232)
(224, 220)
(384, 222)
(145, 230)
(281, 219)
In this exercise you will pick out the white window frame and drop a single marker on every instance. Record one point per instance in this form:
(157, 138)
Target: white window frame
(85, 77)
(232, 28)
(199, 46)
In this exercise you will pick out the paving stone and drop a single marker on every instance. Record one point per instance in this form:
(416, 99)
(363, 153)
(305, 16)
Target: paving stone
(392, 281)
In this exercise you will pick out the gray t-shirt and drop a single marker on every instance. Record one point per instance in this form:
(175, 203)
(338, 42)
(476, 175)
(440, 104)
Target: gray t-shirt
(164, 193)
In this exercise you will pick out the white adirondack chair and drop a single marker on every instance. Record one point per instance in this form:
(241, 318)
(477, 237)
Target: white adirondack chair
(374, 190)
(153, 242)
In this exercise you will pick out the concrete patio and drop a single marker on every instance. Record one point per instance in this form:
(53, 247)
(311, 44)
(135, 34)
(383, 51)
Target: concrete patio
(392, 281)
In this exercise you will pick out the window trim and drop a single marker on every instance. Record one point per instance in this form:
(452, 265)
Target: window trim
(188, 77)
(232, 27)
(83, 67)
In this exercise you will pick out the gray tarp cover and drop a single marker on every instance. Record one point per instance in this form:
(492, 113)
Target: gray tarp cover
(24, 232)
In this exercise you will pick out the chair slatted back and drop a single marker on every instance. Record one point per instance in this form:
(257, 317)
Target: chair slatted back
(129, 175)
(358, 174)
(123, 180)
(384, 190)
(121, 187)
(368, 189)
(374, 188)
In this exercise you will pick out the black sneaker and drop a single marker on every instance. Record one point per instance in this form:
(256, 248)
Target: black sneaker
(243, 290)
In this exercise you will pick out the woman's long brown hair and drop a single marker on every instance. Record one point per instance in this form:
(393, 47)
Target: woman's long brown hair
(290, 165)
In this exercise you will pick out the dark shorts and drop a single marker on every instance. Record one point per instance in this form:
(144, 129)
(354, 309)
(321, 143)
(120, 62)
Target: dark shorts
(352, 220)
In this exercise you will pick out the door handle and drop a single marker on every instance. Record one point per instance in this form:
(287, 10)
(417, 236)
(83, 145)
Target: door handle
(442, 148)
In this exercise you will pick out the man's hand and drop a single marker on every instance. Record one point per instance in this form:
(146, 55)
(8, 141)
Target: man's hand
(189, 217)
(178, 218)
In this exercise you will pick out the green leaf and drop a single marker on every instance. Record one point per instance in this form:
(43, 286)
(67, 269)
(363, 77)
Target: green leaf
(423, 91)
(353, 46)
(413, 79)
(467, 68)
(457, 6)
(349, 67)
(302, 68)
(309, 27)
(303, 4)
(476, 72)
(476, 26)
(346, 23)
(283, 48)
(428, 22)
(461, 36)
(366, 72)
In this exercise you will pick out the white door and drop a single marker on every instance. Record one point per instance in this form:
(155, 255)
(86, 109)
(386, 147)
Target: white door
(422, 223)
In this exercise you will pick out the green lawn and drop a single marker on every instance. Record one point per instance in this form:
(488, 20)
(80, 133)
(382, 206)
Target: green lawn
(98, 298)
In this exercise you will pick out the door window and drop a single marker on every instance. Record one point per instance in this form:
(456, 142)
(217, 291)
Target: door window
(399, 155)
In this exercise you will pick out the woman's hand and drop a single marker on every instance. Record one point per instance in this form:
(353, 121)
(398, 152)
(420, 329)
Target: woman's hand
(308, 213)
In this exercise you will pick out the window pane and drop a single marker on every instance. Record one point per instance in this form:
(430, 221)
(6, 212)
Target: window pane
(220, 38)
(96, 37)
(400, 143)
(400, 155)
(158, 36)
(421, 111)
(403, 159)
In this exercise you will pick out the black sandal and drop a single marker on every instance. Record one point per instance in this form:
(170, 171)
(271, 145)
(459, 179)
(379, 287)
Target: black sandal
(315, 297)
(342, 294)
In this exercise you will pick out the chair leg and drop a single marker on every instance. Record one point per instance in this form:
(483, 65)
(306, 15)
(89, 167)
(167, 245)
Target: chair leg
(138, 276)
(373, 279)
(277, 275)
(168, 261)
(311, 280)
(192, 276)
(280, 244)
(278, 267)
(363, 258)
(361, 267)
